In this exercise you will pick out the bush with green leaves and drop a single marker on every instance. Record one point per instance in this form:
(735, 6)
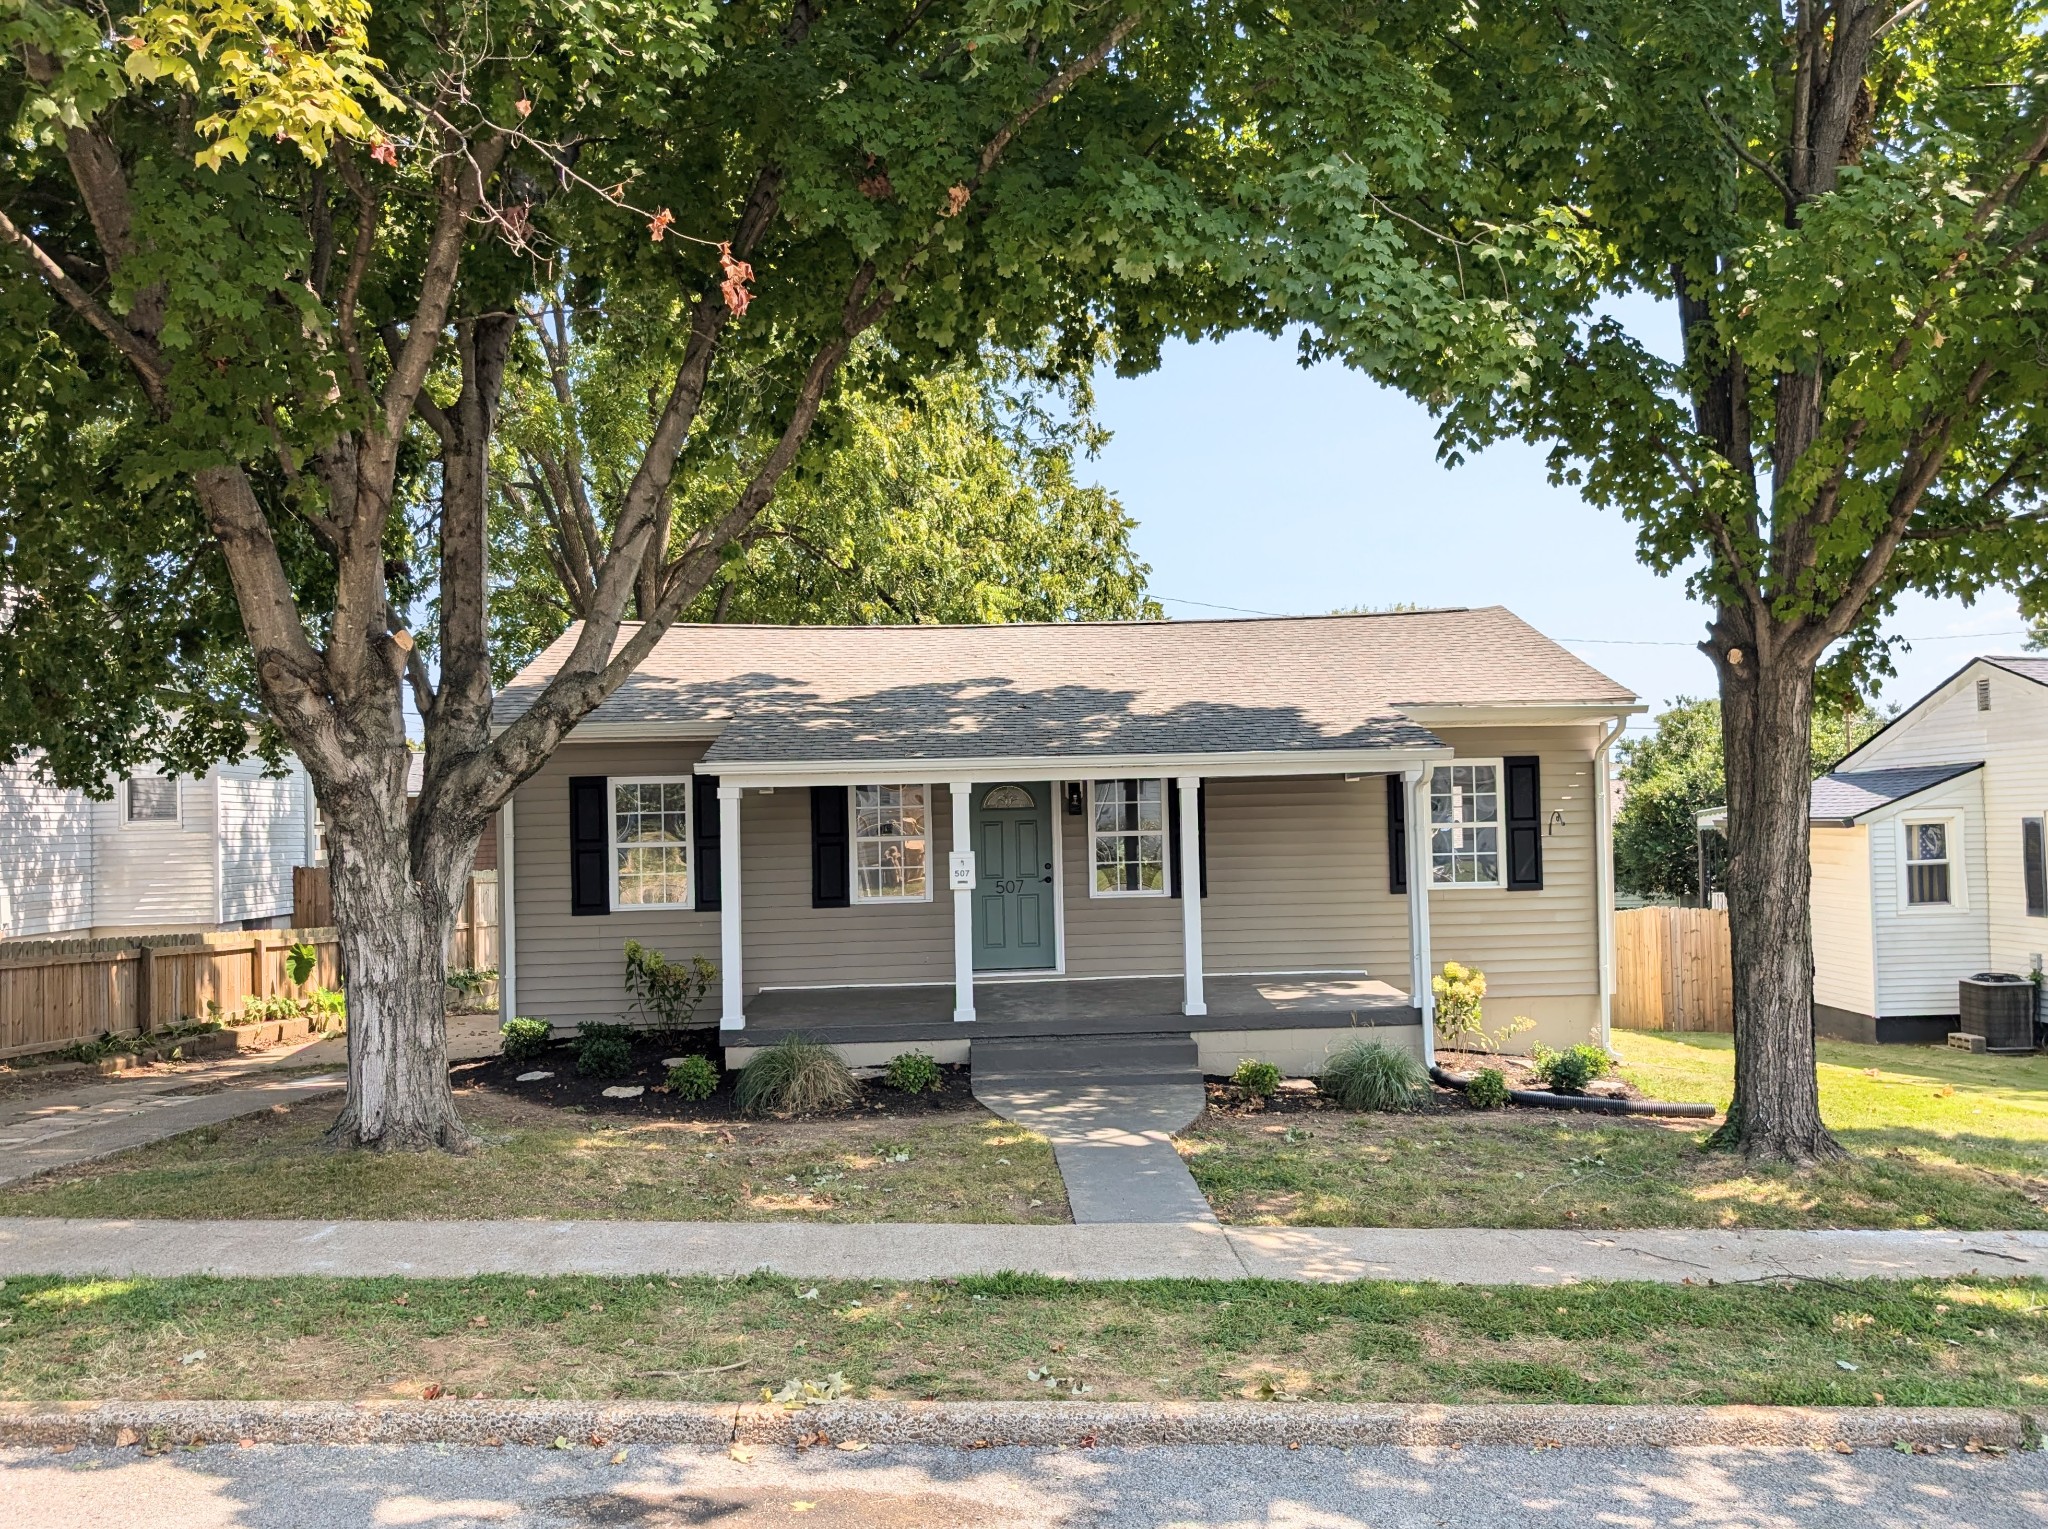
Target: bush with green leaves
(524, 1038)
(666, 993)
(795, 1076)
(1367, 1075)
(299, 962)
(694, 1077)
(1259, 1079)
(1570, 1070)
(603, 1051)
(1488, 1089)
(912, 1072)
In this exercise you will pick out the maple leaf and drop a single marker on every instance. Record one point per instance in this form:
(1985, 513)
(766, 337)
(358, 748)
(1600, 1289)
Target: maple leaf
(523, 106)
(660, 224)
(957, 198)
(734, 288)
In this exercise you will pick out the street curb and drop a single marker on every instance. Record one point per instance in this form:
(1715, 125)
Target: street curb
(980, 1425)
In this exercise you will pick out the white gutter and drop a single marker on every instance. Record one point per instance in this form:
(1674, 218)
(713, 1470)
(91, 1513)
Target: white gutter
(1603, 880)
(1241, 763)
(508, 946)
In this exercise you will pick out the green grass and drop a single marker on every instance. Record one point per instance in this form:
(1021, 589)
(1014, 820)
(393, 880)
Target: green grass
(555, 1165)
(1929, 1343)
(1941, 1139)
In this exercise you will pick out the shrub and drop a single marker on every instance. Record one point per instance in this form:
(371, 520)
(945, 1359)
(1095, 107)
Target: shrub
(603, 1051)
(666, 993)
(1488, 1089)
(523, 1039)
(1260, 1079)
(1366, 1075)
(793, 1076)
(1458, 991)
(1570, 1070)
(693, 1077)
(470, 980)
(912, 1073)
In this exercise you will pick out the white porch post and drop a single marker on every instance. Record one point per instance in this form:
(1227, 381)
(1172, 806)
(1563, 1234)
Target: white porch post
(1190, 852)
(732, 1009)
(963, 900)
(1421, 966)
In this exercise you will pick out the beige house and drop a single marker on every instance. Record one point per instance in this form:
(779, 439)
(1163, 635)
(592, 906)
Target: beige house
(897, 837)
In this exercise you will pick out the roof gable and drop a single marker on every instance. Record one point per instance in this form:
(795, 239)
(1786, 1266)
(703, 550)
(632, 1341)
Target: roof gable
(1844, 796)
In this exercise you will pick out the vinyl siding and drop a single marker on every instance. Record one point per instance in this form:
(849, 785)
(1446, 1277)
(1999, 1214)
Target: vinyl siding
(263, 835)
(155, 874)
(1923, 952)
(1843, 957)
(45, 856)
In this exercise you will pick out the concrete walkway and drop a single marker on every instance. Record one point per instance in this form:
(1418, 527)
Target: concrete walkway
(1109, 1106)
(38, 1245)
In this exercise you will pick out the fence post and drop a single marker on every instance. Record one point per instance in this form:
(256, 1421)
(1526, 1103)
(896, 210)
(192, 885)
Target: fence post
(259, 963)
(145, 970)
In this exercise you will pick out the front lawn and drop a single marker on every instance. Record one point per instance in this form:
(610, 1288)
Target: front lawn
(1942, 1139)
(538, 1162)
(1920, 1343)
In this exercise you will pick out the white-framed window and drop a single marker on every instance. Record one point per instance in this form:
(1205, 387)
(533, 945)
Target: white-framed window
(1127, 845)
(150, 799)
(892, 843)
(650, 826)
(2034, 864)
(1465, 824)
(1929, 862)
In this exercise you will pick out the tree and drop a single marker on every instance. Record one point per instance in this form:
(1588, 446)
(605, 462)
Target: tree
(1676, 773)
(956, 500)
(1843, 201)
(273, 256)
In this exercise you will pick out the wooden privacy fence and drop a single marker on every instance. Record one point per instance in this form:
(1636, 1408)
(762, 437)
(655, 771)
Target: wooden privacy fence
(472, 944)
(1671, 970)
(57, 992)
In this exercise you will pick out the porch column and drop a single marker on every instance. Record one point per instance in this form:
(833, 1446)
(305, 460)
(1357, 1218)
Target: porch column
(1190, 852)
(960, 874)
(732, 1009)
(1420, 964)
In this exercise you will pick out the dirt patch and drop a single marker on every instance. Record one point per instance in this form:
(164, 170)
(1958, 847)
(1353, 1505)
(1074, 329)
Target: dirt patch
(566, 1089)
(1520, 1072)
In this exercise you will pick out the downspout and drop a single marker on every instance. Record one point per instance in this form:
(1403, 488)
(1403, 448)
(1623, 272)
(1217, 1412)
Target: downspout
(1603, 882)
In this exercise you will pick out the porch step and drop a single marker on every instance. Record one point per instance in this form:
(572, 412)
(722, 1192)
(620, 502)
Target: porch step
(1104, 1061)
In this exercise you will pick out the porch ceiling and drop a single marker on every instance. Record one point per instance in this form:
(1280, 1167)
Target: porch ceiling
(1064, 1006)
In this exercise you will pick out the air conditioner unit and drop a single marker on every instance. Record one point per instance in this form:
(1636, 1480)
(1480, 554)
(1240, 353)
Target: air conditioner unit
(2000, 1007)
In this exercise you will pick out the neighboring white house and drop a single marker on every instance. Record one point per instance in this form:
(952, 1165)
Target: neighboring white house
(161, 854)
(1928, 855)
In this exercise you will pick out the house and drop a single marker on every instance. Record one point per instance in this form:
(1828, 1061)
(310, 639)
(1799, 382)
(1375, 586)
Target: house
(160, 855)
(1928, 860)
(914, 835)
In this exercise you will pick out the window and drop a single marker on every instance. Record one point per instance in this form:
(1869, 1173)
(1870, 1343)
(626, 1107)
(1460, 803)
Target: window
(651, 843)
(890, 847)
(2034, 866)
(1464, 824)
(1926, 863)
(1127, 838)
(152, 799)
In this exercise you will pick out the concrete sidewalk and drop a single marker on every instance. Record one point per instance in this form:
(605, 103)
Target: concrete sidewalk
(1103, 1251)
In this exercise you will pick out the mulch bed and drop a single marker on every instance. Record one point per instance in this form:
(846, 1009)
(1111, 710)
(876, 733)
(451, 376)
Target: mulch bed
(570, 1090)
(1229, 1101)
(1521, 1073)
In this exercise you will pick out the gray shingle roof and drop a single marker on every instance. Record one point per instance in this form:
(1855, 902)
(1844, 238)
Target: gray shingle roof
(2028, 666)
(1083, 688)
(1846, 795)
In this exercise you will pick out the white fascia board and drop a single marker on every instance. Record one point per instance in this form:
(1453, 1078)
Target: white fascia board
(638, 732)
(1520, 714)
(1238, 764)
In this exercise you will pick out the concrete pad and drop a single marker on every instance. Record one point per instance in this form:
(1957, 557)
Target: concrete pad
(135, 1119)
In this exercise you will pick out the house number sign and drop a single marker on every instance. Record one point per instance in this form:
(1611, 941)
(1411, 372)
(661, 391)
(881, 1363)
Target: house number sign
(960, 864)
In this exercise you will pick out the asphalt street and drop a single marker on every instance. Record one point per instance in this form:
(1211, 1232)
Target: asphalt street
(1229, 1487)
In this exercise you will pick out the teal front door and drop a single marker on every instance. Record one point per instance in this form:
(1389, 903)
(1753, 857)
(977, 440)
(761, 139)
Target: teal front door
(1013, 890)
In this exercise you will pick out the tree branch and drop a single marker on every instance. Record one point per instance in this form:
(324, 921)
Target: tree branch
(141, 353)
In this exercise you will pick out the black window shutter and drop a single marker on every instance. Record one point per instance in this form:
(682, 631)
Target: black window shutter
(830, 851)
(704, 827)
(590, 882)
(1524, 823)
(2034, 863)
(1397, 835)
(1201, 831)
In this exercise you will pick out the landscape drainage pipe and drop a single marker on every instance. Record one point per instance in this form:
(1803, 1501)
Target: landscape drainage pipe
(1594, 1104)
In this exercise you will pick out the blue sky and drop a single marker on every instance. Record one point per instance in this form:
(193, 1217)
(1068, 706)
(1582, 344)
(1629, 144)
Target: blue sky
(1262, 486)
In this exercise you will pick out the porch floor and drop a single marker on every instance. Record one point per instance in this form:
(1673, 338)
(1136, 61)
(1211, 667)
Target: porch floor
(1069, 1006)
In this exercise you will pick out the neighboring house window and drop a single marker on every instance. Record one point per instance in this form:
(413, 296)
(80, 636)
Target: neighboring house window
(890, 844)
(651, 843)
(1927, 863)
(319, 837)
(1127, 838)
(1464, 824)
(2034, 866)
(152, 799)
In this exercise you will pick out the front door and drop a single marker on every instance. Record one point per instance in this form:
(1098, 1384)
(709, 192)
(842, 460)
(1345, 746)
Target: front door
(1013, 890)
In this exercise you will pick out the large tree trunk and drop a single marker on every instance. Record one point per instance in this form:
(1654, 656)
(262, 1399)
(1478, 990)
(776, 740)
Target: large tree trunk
(1766, 710)
(393, 918)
